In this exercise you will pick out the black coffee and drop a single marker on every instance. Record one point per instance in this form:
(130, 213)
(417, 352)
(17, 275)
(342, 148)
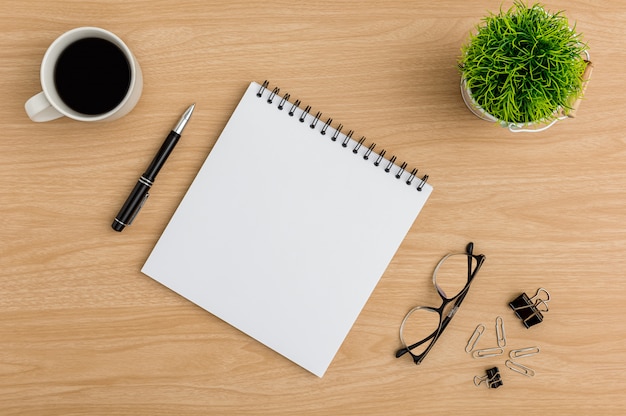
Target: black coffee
(92, 76)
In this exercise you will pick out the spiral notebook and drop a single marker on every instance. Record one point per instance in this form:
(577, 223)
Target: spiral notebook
(288, 227)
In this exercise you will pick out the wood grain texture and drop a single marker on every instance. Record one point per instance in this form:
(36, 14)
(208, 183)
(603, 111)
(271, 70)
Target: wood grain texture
(83, 332)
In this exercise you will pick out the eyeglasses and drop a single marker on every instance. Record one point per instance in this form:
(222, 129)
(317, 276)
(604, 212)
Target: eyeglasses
(423, 325)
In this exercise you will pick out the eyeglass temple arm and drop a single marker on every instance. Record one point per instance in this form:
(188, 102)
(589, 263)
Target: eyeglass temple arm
(471, 274)
(403, 351)
(453, 311)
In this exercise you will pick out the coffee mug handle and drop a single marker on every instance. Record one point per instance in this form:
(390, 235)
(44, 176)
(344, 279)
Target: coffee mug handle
(39, 108)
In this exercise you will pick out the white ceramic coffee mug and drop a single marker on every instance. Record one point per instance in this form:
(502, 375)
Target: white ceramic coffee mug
(53, 101)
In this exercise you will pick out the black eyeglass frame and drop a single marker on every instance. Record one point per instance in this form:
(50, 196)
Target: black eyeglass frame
(457, 299)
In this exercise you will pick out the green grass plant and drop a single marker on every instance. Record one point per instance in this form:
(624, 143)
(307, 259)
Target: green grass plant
(524, 64)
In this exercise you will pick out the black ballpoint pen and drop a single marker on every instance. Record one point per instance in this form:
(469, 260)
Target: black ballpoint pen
(140, 192)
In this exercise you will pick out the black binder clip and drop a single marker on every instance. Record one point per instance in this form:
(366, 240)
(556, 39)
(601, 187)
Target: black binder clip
(492, 379)
(529, 309)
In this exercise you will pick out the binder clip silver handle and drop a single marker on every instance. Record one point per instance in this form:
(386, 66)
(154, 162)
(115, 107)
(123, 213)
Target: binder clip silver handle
(492, 379)
(529, 310)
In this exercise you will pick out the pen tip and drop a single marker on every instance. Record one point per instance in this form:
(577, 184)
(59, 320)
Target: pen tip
(189, 111)
(184, 119)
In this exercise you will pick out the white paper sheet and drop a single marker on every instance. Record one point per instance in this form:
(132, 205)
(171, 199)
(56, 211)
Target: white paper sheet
(284, 233)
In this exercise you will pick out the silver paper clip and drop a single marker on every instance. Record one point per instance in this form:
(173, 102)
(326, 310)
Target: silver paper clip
(488, 352)
(500, 334)
(523, 352)
(471, 343)
(519, 368)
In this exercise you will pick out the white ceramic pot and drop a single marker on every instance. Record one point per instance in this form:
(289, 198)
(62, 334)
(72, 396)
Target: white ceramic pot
(479, 112)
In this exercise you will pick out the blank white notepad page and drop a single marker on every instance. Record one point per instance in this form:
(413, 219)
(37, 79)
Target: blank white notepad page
(284, 233)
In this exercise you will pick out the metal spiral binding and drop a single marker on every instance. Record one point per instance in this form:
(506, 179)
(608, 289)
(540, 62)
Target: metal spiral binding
(263, 87)
(326, 125)
(270, 99)
(358, 145)
(285, 98)
(337, 132)
(392, 162)
(411, 176)
(293, 107)
(305, 113)
(315, 120)
(347, 137)
(401, 171)
(380, 157)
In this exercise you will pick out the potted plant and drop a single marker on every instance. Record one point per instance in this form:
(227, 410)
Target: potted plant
(524, 67)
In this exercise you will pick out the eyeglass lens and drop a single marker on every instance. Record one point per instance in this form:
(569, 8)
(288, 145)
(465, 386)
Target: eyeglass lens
(421, 323)
(452, 274)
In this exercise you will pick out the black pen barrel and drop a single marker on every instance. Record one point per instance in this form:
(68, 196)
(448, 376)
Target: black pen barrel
(131, 207)
(161, 156)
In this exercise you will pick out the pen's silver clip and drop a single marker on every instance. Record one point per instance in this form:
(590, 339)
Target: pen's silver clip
(143, 201)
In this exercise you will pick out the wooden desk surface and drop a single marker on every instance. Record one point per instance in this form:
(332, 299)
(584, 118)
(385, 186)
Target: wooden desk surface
(82, 331)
